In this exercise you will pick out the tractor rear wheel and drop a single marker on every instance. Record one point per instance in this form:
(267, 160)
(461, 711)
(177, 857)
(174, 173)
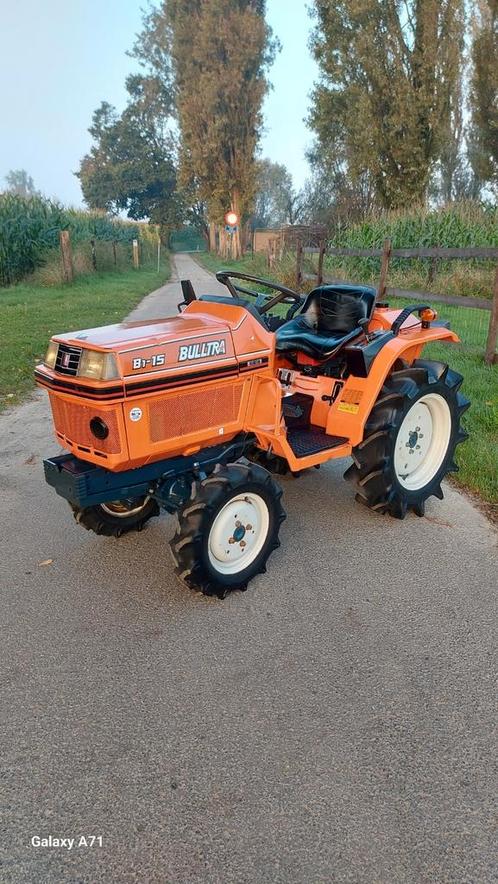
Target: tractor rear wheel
(117, 517)
(410, 439)
(229, 529)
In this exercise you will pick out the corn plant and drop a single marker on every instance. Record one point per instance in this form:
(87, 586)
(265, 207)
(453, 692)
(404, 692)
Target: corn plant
(29, 231)
(458, 226)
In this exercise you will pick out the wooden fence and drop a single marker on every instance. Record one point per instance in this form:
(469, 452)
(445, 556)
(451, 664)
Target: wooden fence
(66, 253)
(434, 254)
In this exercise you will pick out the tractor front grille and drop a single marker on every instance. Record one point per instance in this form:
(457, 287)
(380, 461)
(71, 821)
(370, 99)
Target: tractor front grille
(68, 359)
(177, 416)
(72, 423)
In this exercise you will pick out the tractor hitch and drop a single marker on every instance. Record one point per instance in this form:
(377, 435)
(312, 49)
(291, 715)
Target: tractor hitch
(169, 481)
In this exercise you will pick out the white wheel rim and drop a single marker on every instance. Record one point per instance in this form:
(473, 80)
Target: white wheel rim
(123, 509)
(422, 442)
(238, 533)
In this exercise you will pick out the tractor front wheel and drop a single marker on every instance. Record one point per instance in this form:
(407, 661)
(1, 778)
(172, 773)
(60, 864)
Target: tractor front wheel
(410, 439)
(228, 530)
(116, 517)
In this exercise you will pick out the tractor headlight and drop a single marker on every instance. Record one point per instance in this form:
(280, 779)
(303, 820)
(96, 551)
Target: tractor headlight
(51, 354)
(98, 366)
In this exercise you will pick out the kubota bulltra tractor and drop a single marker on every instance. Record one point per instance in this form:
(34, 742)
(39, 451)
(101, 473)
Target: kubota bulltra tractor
(197, 413)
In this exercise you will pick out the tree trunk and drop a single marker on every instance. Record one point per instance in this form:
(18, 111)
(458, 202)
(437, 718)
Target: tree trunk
(212, 236)
(222, 241)
(248, 241)
(236, 238)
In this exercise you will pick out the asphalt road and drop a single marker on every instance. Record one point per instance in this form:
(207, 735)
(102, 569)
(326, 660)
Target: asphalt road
(335, 723)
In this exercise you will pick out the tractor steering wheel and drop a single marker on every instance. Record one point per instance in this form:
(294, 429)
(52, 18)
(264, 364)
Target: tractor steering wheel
(263, 305)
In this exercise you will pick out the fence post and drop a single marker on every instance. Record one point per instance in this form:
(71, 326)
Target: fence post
(321, 255)
(94, 254)
(432, 271)
(135, 254)
(271, 253)
(299, 263)
(490, 355)
(384, 269)
(114, 253)
(66, 256)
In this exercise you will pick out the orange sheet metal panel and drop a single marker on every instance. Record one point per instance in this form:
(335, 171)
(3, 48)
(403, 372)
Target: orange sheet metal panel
(349, 413)
(182, 422)
(72, 417)
(251, 340)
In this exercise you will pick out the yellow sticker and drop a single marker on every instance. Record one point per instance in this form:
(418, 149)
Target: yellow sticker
(348, 407)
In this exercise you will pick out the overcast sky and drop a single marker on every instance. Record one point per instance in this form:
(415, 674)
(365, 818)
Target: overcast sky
(59, 60)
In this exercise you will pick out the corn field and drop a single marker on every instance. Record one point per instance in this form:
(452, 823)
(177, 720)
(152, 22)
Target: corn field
(29, 233)
(464, 225)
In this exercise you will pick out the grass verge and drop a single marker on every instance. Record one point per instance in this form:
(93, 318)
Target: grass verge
(477, 458)
(30, 314)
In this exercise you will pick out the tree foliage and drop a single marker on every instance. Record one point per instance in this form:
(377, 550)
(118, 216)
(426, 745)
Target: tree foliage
(276, 201)
(387, 96)
(219, 51)
(484, 93)
(329, 197)
(19, 182)
(131, 166)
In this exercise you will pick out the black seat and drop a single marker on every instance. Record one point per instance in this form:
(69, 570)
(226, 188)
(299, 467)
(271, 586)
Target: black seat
(329, 318)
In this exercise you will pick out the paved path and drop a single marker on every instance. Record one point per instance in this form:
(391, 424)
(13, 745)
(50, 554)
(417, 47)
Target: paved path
(334, 723)
(164, 301)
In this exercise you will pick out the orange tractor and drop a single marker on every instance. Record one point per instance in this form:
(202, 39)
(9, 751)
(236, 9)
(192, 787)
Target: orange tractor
(197, 413)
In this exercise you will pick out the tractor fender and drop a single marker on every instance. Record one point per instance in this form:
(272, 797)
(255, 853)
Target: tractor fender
(349, 412)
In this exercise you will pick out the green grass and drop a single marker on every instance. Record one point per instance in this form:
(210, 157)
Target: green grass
(30, 314)
(478, 457)
(255, 265)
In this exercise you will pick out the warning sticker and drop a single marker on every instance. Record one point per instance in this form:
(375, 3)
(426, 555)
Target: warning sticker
(348, 407)
(350, 402)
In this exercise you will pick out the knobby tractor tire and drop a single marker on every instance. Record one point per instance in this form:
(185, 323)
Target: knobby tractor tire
(112, 519)
(379, 460)
(236, 510)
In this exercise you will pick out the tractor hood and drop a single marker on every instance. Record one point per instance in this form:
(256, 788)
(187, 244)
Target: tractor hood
(207, 340)
(159, 345)
(145, 333)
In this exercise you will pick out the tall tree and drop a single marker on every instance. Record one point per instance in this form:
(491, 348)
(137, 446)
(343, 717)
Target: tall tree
(131, 165)
(384, 99)
(330, 198)
(19, 182)
(275, 201)
(220, 51)
(452, 136)
(484, 93)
